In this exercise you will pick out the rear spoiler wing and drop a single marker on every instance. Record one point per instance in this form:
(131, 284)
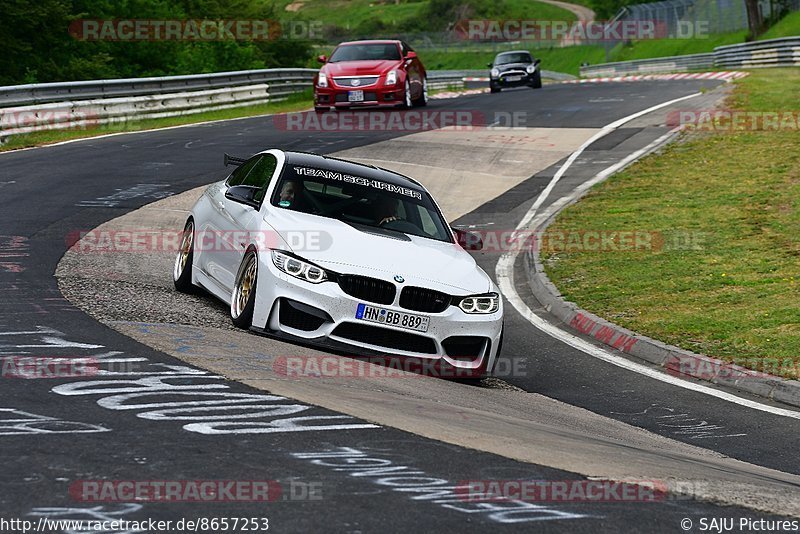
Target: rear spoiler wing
(233, 160)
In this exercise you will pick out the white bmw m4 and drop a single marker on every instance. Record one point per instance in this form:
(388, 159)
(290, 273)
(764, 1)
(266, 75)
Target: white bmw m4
(337, 254)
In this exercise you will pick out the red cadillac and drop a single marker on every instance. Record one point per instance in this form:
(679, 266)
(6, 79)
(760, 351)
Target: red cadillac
(370, 73)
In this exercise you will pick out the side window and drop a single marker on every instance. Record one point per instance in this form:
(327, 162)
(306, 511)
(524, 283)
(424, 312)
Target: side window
(238, 176)
(261, 175)
(257, 172)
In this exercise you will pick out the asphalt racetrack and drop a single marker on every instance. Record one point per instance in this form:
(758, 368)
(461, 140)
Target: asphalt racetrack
(181, 396)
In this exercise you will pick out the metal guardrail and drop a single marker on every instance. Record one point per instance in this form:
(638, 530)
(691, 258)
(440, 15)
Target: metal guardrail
(651, 66)
(17, 95)
(783, 52)
(27, 108)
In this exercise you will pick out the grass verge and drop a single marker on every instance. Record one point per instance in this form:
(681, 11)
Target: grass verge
(723, 278)
(297, 102)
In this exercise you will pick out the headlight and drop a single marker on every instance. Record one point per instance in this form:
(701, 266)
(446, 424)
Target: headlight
(531, 69)
(488, 303)
(322, 81)
(495, 73)
(298, 268)
(391, 78)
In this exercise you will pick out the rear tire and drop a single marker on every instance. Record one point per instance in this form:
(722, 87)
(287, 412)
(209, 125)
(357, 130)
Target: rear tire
(182, 269)
(243, 300)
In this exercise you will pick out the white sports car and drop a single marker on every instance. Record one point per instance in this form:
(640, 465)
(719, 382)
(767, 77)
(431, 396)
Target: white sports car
(341, 255)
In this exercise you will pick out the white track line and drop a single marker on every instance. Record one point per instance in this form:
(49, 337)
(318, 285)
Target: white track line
(505, 273)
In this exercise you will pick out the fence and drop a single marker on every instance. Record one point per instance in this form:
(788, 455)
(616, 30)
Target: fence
(784, 52)
(689, 18)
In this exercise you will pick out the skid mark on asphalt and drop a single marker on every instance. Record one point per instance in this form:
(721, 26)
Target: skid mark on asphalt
(679, 424)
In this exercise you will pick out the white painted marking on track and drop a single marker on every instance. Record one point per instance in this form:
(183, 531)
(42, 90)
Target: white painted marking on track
(505, 274)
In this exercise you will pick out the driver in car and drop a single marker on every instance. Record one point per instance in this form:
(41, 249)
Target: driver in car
(292, 194)
(386, 211)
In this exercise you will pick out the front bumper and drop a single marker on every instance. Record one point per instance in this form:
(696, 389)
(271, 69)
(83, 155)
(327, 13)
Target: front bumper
(374, 95)
(504, 81)
(324, 315)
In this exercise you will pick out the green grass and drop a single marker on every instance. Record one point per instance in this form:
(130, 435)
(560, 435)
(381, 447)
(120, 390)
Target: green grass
(351, 13)
(557, 59)
(724, 276)
(675, 47)
(788, 26)
(296, 102)
(569, 59)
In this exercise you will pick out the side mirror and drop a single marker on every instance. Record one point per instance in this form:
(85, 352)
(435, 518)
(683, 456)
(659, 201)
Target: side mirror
(490, 65)
(322, 58)
(411, 55)
(537, 62)
(468, 240)
(243, 194)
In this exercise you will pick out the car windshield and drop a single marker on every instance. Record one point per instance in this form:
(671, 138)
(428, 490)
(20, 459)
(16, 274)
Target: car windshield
(520, 57)
(365, 52)
(360, 201)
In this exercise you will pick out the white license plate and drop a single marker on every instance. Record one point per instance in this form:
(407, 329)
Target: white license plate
(355, 96)
(513, 78)
(409, 321)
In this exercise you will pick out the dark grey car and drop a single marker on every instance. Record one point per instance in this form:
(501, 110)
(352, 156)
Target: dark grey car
(513, 69)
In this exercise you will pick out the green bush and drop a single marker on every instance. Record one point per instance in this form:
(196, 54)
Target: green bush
(38, 48)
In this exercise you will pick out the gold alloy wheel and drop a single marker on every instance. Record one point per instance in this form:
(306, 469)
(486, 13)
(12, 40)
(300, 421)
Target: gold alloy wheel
(184, 251)
(245, 285)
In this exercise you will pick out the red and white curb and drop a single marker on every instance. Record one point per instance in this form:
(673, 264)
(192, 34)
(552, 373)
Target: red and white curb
(725, 75)
(454, 94)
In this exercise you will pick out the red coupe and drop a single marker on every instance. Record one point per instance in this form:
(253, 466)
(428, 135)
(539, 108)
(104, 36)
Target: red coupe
(370, 73)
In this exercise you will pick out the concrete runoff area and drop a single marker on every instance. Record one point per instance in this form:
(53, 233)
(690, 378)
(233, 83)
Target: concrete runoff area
(138, 300)
(463, 169)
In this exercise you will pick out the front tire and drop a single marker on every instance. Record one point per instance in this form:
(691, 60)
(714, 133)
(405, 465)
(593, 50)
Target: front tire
(423, 99)
(182, 269)
(493, 88)
(537, 80)
(407, 102)
(243, 300)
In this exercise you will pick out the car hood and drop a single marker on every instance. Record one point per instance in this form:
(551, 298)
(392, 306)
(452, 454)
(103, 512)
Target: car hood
(360, 68)
(342, 248)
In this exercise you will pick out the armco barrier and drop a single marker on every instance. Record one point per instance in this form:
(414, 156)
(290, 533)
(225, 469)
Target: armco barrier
(651, 66)
(783, 52)
(27, 108)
